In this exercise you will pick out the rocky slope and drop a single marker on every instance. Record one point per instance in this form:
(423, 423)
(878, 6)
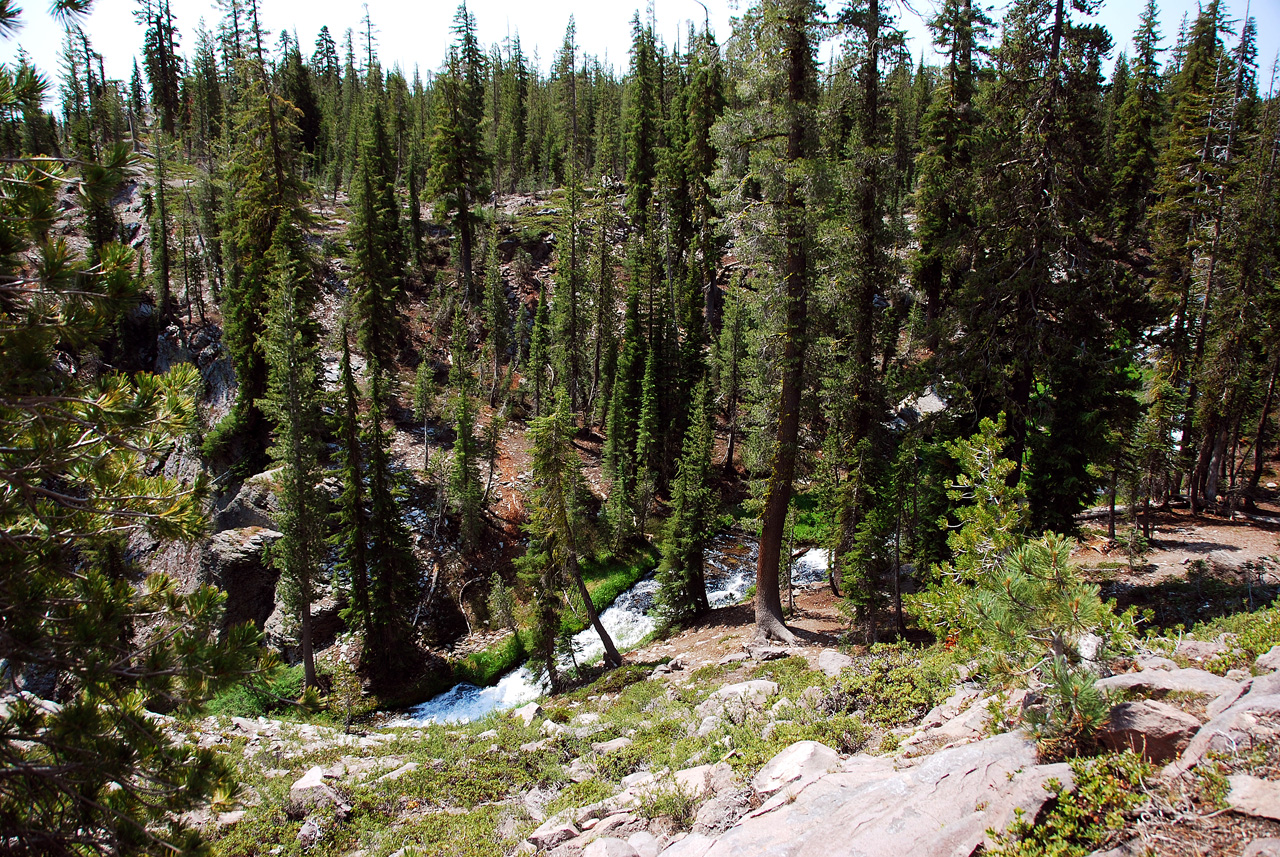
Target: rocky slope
(766, 752)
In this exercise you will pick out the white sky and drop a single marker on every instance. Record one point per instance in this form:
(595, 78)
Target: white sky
(417, 33)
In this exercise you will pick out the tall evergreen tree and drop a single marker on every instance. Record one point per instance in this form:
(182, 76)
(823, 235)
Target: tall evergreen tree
(292, 404)
(459, 171)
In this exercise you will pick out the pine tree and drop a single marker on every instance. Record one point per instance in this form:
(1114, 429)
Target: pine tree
(351, 530)
(1137, 127)
(779, 39)
(557, 525)
(293, 405)
(459, 162)
(378, 259)
(945, 192)
(465, 491)
(161, 225)
(641, 123)
(682, 592)
(81, 462)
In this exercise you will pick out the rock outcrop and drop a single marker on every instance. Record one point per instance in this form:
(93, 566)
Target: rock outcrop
(234, 561)
(944, 805)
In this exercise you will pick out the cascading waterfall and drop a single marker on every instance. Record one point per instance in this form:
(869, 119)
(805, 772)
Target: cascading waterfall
(729, 570)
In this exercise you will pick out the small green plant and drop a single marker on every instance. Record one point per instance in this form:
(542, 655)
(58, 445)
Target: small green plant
(1107, 788)
(1136, 547)
(1074, 710)
(893, 685)
(670, 800)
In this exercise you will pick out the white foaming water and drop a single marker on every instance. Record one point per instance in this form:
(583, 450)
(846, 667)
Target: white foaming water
(463, 703)
(730, 569)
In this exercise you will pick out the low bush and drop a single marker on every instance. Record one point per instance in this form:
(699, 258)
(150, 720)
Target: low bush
(1107, 790)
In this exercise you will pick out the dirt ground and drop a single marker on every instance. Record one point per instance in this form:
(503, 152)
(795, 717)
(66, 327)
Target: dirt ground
(1178, 539)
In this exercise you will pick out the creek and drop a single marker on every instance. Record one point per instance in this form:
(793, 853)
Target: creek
(730, 570)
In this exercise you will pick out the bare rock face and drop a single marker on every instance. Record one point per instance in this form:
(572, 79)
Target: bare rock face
(610, 846)
(1156, 730)
(1159, 682)
(234, 562)
(794, 768)
(942, 806)
(1262, 848)
(1252, 796)
(1244, 724)
(1269, 661)
(253, 505)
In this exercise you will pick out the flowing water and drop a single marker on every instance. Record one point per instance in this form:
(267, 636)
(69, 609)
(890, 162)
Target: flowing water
(730, 570)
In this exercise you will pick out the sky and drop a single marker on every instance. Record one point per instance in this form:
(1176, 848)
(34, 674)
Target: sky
(416, 33)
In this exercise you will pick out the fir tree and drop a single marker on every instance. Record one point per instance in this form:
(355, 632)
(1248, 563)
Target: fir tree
(465, 491)
(557, 526)
(682, 592)
(293, 406)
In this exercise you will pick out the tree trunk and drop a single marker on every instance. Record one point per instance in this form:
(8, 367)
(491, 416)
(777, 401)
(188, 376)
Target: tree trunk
(769, 621)
(611, 656)
(1259, 439)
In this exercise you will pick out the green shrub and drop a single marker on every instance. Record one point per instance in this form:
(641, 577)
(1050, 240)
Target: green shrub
(669, 799)
(1074, 710)
(894, 684)
(1078, 823)
(262, 695)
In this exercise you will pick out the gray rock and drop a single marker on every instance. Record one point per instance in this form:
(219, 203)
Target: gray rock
(1156, 730)
(1237, 728)
(1269, 661)
(733, 658)
(234, 562)
(721, 812)
(528, 713)
(1157, 683)
(1262, 848)
(610, 846)
(743, 695)
(606, 747)
(551, 833)
(704, 780)
(709, 724)
(767, 653)
(693, 845)
(794, 768)
(1155, 662)
(312, 792)
(832, 663)
(391, 776)
(1198, 650)
(645, 843)
(253, 504)
(309, 834)
(1252, 796)
(943, 806)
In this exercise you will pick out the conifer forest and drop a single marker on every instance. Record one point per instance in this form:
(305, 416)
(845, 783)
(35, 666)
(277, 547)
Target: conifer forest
(328, 386)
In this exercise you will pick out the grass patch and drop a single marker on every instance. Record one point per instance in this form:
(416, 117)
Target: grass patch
(487, 665)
